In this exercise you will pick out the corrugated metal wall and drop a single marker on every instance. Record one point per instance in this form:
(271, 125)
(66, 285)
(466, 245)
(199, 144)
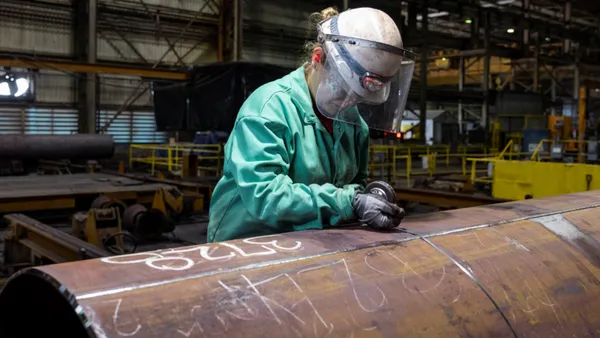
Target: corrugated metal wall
(152, 49)
(54, 87)
(116, 90)
(273, 33)
(272, 43)
(52, 38)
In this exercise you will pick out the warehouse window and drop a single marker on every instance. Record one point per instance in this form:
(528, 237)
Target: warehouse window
(37, 121)
(132, 127)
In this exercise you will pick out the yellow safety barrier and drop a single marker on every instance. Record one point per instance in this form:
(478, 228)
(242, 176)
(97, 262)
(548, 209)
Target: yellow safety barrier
(517, 180)
(387, 162)
(171, 156)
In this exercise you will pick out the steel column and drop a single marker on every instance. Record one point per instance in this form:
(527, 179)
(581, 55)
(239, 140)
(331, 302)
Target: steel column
(238, 27)
(581, 124)
(526, 30)
(486, 70)
(461, 87)
(536, 62)
(91, 91)
(553, 91)
(567, 11)
(423, 73)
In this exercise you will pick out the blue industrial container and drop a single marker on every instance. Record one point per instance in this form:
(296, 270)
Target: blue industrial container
(533, 137)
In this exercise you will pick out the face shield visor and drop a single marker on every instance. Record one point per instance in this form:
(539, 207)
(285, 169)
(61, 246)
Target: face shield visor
(350, 92)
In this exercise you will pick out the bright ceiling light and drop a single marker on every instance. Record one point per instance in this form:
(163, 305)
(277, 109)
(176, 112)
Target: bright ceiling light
(433, 15)
(510, 30)
(4, 89)
(468, 21)
(437, 14)
(22, 85)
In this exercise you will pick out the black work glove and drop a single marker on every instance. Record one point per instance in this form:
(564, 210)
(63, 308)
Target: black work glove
(376, 212)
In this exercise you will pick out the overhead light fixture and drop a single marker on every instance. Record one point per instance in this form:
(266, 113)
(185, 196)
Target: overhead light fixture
(433, 15)
(5, 89)
(496, 3)
(548, 38)
(510, 30)
(468, 21)
(437, 14)
(22, 85)
(443, 59)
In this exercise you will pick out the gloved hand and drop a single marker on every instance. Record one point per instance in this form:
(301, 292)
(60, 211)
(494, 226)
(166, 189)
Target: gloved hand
(376, 212)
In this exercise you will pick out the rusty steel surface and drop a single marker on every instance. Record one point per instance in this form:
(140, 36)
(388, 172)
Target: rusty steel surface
(444, 198)
(526, 269)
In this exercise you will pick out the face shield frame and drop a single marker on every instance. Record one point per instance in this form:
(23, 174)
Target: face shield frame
(379, 100)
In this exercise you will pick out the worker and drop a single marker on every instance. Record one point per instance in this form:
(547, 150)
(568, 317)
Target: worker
(298, 153)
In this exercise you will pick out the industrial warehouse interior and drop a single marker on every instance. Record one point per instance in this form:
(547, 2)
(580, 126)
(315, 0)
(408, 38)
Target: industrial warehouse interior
(254, 168)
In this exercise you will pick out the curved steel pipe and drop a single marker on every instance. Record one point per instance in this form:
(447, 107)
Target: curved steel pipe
(53, 147)
(527, 269)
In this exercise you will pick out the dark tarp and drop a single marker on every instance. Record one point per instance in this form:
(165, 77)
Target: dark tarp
(211, 99)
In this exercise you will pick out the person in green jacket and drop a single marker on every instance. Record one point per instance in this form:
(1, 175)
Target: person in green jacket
(298, 154)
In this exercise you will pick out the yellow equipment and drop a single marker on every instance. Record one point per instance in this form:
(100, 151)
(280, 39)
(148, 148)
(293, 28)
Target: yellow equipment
(100, 227)
(30, 242)
(150, 223)
(518, 180)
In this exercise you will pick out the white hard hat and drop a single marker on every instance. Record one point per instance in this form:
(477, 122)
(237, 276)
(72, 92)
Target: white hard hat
(365, 63)
(368, 24)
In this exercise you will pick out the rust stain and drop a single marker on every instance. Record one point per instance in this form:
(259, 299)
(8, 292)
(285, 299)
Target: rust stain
(570, 286)
(521, 209)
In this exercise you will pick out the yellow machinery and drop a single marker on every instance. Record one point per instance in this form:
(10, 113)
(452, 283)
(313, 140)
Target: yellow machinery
(101, 228)
(29, 242)
(151, 223)
(517, 180)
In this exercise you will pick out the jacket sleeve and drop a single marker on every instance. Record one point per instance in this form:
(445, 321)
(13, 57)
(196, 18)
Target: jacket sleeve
(259, 162)
(362, 177)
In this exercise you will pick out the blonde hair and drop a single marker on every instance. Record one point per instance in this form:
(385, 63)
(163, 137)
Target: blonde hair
(313, 20)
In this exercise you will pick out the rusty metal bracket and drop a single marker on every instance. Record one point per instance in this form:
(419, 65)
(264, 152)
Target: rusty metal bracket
(49, 243)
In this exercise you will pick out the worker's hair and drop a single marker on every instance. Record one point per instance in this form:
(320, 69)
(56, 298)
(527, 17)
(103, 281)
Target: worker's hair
(313, 20)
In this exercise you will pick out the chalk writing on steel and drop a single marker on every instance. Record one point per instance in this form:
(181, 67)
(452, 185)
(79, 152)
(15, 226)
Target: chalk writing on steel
(186, 258)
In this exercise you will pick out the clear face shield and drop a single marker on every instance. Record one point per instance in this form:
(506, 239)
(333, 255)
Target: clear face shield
(350, 93)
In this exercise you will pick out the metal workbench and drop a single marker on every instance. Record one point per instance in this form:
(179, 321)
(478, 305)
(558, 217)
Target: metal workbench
(51, 192)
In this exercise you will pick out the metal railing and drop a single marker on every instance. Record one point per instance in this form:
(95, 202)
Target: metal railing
(170, 156)
(388, 162)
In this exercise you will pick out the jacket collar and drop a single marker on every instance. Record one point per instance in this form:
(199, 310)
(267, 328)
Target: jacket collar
(301, 95)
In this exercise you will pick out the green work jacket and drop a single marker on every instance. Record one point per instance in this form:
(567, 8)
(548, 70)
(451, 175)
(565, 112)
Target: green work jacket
(283, 171)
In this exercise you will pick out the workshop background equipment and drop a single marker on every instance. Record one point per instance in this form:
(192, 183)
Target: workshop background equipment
(168, 205)
(516, 269)
(103, 228)
(52, 147)
(30, 242)
(515, 180)
(67, 192)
